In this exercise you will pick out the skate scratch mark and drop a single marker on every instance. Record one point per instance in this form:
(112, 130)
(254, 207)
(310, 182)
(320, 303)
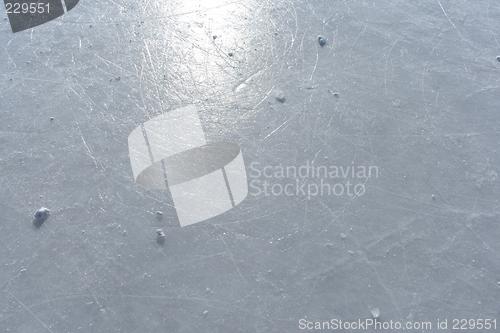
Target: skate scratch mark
(87, 147)
(24, 306)
(232, 259)
(449, 19)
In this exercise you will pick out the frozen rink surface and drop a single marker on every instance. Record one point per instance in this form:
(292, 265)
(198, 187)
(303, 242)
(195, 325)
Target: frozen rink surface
(397, 115)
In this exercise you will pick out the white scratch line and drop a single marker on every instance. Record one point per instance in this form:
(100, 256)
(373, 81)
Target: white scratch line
(88, 149)
(284, 123)
(231, 256)
(266, 96)
(488, 16)
(315, 65)
(449, 18)
(41, 322)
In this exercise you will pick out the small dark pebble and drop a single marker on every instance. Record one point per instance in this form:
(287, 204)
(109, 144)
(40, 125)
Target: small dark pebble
(230, 54)
(159, 213)
(160, 238)
(336, 95)
(280, 97)
(498, 58)
(42, 213)
(51, 118)
(214, 37)
(321, 41)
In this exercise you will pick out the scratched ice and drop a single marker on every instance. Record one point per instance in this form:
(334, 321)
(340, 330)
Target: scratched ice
(417, 87)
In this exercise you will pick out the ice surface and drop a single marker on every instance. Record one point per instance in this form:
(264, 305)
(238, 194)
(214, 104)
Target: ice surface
(417, 86)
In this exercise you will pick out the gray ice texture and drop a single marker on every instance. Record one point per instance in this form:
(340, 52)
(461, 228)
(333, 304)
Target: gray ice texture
(411, 87)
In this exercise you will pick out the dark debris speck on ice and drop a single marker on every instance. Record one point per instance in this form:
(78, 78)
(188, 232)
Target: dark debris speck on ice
(160, 233)
(280, 96)
(42, 213)
(321, 40)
